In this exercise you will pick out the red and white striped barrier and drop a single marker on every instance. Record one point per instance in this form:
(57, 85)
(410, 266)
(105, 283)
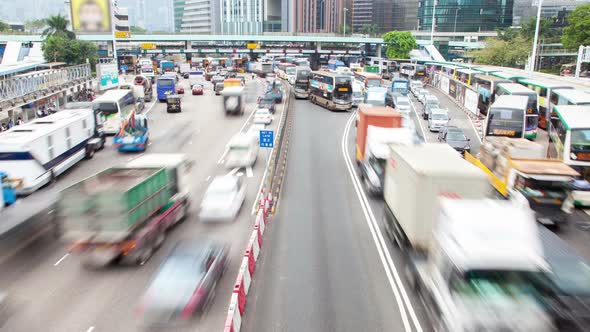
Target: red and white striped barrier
(234, 318)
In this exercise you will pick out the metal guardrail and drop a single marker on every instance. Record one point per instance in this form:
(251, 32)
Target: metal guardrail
(23, 85)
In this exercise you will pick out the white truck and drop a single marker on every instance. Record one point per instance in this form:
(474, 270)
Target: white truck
(184, 68)
(474, 261)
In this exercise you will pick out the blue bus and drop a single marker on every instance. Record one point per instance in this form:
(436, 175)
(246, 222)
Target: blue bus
(166, 85)
(400, 86)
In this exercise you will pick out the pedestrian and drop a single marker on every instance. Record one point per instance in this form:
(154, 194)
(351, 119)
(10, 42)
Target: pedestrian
(2, 127)
(19, 121)
(10, 123)
(40, 112)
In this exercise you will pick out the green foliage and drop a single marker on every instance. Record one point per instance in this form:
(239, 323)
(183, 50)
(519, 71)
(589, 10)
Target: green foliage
(57, 25)
(34, 25)
(506, 34)
(4, 26)
(498, 52)
(71, 51)
(399, 44)
(578, 31)
(369, 29)
(137, 30)
(546, 30)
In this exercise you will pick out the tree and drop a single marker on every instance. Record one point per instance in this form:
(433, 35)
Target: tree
(341, 29)
(498, 52)
(506, 34)
(399, 44)
(4, 26)
(57, 25)
(137, 30)
(546, 29)
(577, 32)
(71, 51)
(34, 25)
(369, 29)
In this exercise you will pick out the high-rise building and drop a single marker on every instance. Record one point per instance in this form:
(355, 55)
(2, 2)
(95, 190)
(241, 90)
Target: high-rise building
(362, 14)
(242, 16)
(319, 15)
(465, 15)
(524, 10)
(196, 16)
(385, 15)
(121, 18)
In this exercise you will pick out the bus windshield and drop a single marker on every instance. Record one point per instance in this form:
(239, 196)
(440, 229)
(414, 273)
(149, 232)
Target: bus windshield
(580, 140)
(290, 70)
(165, 82)
(505, 122)
(343, 88)
(107, 108)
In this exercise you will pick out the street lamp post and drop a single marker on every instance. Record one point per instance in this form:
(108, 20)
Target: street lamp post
(345, 10)
(536, 39)
(456, 12)
(433, 24)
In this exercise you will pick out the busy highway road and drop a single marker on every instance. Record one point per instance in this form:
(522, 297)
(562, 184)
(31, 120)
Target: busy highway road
(50, 290)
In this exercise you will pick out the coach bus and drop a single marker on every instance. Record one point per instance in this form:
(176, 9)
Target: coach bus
(368, 80)
(331, 90)
(485, 85)
(544, 88)
(532, 110)
(506, 117)
(286, 70)
(570, 137)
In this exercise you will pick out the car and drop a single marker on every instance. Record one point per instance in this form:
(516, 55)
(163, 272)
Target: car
(217, 79)
(376, 96)
(402, 104)
(255, 129)
(185, 283)
(267, 101)
(242, 151)
(197, 89)
(223, 199)
(455, 137)
(218, 87)
(422, 95)
(430, 103)
(179, 90)
(415, 86)
(185, 75)
(262, 115)
(438, 119)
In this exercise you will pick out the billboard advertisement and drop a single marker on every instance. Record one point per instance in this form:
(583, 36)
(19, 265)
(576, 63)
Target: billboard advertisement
(471, 99)
(91, 16)
(108, 75)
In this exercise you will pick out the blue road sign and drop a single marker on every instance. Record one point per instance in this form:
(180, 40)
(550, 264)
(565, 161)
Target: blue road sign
(267, 138)
(124, 67)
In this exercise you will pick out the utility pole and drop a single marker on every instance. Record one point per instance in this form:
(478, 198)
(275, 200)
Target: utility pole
(536, 39)
(113, 5)
(345, 10)
(433, 22)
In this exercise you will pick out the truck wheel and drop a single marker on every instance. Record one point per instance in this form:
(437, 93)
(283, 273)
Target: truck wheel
(89, 152)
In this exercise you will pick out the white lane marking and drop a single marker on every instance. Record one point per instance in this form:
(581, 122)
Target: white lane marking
(90, 329)
(233, 171)
(151, 106)
(475, 130)
(238, 174)
(384, 254)
(222, 156)
(61, 259)
(208, 178)
(419, 122)
(256, 202)
(249, 172)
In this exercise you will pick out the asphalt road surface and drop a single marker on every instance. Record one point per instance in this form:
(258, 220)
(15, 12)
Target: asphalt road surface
(50, 291)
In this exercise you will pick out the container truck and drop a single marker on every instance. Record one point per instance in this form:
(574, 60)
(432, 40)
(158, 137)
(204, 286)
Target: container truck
(474, 261)
(122, 214)
(376, 116)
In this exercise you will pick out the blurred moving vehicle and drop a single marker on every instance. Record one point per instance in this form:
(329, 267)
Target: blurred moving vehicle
(358, 93)
(223, 199)
(122, 214)
(402, 104)
(415, 87)
(134, 134)
(185, 283)
(234, 100)
(267, 101)
(255, 129)
(376, 96)
(276, 91)
(470, 276)
(455, 137)
(148, 93)
(242, 151)
(180, 90)
(173, 104)
(438, 119)
(262, 115)
(218, 87)
(431, 103)
(422, 95)
(197, 89)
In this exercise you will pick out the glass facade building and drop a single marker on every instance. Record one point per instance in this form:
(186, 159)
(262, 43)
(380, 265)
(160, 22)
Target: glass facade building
(465, 15)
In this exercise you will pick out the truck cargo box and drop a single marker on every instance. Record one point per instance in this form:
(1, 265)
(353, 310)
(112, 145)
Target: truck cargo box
(377, 116)
(109, 205)
(415, 178)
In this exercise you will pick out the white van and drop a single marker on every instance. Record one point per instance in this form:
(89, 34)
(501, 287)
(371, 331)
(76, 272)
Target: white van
(242, 151)
(358, 94)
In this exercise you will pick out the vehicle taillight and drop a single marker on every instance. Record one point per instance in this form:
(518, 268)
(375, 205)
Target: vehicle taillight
(192, 304)
(127, 246)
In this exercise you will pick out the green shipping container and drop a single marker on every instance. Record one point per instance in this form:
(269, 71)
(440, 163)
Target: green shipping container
(115, 201)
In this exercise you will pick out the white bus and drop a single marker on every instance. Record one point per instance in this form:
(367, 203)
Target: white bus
(506, 117)
(286, 71)
(331, 90)
(544, 88)
(570, 137)
(38, 151)
(114, 107)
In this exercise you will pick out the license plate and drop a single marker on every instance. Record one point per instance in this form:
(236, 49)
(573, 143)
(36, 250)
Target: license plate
(504, 132)
(585, 156)
(342, 89)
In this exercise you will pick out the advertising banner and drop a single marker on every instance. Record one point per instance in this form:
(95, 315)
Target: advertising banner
(444, 84)
(460, 93)
(91, 16)
(452, 88)
(471, 101)
(108, 75)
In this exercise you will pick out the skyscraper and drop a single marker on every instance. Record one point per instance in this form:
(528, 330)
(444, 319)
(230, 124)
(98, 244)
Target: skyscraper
(319, 15)
(242, 16)
(466, 15)
(196, 16)
(386, 15)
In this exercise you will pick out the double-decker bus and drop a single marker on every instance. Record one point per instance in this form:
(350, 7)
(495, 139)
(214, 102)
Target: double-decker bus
(302, 77)
(544, 88)
(506, 117)
(368, 80)
(570, 137)
(331, 90)
(286, 70)
(485, 86)
(532, 109)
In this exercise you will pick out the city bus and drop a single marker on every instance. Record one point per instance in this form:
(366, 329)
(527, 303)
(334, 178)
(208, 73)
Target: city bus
(407, 70)
(165, 86)
(285, 70)
(400, 86)
(465, 75)
(506, 117)
(368, 80)
(485, 85)
(568, 97)
(484, 70)
(114, 107)
(532, 110)
(302, 76)
(331, 90)
(508, 76)
(543, 88)
(569, 135)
